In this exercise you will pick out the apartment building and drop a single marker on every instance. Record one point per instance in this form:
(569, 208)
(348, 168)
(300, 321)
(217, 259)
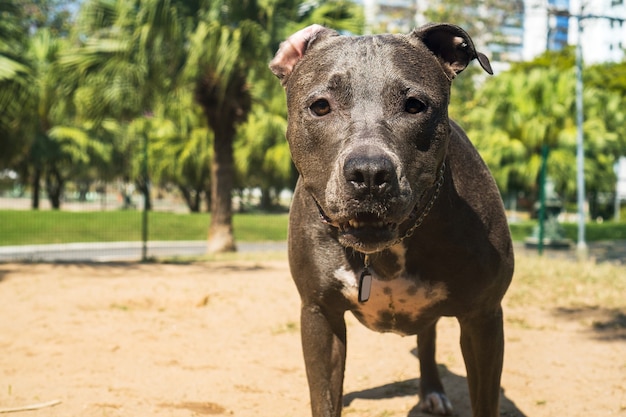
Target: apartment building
(535, 26)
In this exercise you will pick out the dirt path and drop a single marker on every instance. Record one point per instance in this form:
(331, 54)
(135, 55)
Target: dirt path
(223, 339)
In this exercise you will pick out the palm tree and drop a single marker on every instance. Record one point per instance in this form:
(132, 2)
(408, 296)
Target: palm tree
(518, 112)
(181, 147)
(13, 76)
(36, 107)
(261, 151)
(223, 55)
(127, 61)
(134, 57)
(237, 46)
(51, 150)
(515, 115)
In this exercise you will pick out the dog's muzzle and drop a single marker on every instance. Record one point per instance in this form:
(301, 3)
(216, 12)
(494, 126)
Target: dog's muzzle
(369, 231)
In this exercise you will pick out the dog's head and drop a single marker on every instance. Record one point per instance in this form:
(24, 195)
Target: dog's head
(368, 123)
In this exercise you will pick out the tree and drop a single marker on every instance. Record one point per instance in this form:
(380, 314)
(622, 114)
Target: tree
(13, 77)
(181, 148)
(223, 93)
(136, 68)
(518, 112)
(261, 151)
(54, 147)
(128, 58)
(36, 100)
(238, 43)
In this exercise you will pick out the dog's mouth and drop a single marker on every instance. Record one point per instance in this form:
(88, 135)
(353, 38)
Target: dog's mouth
(377, 227)
(365, 222)
(366, 232)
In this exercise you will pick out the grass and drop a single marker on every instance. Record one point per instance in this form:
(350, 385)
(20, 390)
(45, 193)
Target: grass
(564, 283)
(18, 227)
(40, 227)
(589, 293)
(593, 231)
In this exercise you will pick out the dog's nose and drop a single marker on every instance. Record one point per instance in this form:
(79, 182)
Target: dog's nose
(369, 171)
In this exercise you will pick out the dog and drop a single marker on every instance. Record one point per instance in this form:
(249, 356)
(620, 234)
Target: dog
(395, 216)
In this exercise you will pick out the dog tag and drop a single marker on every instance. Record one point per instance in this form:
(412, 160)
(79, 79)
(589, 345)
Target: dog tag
(365, 285)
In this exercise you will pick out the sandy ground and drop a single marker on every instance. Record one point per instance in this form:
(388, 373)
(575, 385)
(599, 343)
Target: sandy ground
(222, 338)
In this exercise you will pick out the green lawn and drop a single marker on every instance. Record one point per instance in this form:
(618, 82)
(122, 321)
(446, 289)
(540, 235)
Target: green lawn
(593, 231)
(19, 227)
(39, 227)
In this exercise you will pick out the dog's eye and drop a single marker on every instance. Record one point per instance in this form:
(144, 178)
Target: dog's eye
(414, 106)
(320, 107)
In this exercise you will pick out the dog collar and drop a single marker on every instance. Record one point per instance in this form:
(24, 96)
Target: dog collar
(424, 212)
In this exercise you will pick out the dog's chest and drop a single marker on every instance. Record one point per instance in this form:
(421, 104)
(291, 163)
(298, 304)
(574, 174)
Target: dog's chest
(395, 305)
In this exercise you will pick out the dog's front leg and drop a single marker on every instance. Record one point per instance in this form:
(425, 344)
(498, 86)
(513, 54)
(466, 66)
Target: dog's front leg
(324, 348)
(433, 399)
(482, 344)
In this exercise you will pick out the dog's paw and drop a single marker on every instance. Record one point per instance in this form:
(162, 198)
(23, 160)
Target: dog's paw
(436, 403)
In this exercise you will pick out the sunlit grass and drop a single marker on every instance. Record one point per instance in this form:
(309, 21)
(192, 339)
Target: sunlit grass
(543, 281)
(42, 227)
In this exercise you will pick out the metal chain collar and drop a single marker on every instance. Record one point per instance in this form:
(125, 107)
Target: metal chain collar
(425, 212)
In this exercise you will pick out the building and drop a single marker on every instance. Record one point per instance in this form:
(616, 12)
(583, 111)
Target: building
(604, 30)
(391, 16)
(553, 24)
(546, 26)
(539, 25)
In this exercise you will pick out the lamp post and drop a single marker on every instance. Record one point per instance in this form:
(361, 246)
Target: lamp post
(581, 246)
(146, 200)
(146, 189)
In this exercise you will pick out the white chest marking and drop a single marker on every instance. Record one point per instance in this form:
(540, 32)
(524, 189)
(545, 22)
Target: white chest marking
(393, 304)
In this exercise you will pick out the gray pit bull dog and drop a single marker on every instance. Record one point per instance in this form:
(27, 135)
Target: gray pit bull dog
(395, 216)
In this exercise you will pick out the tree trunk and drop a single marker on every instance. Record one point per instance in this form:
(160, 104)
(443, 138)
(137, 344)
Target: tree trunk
(54, 187)
(207, 196)
(193, 199)
(36, 188)
(221, 237)
(224, 112)
(266, 198)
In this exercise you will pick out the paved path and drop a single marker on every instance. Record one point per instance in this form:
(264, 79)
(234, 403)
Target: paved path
(119, 251)
(609, 251)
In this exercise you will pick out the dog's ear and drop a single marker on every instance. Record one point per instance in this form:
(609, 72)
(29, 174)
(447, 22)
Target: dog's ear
(452, 45)
(293, 49)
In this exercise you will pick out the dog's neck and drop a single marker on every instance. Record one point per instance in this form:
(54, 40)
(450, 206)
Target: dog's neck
(423, 211)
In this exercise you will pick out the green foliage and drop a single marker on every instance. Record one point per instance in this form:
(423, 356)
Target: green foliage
(609, 76)
(593, 231)
(129, 71)
(563, 60)
(515, 113)
(597, 231)
(261, 151)
(77, 104)
(14, 73)
(54, 15)
(521, 230)
(341, 15)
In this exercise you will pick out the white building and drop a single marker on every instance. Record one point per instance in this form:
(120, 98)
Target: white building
(541, 25)
(547, 23)
(604, 30)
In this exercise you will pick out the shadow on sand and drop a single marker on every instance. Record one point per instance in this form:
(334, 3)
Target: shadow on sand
(456, 389)
(607, 324)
